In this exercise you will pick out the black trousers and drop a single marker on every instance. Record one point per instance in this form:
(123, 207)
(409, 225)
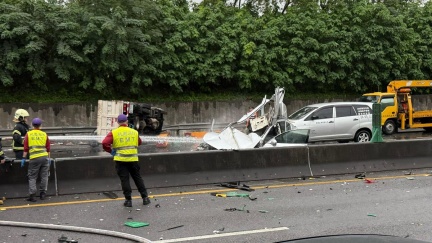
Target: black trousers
(19, 154)
(124, 169)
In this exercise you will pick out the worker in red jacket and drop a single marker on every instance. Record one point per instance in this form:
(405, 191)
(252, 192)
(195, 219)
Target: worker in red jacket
(122, 143)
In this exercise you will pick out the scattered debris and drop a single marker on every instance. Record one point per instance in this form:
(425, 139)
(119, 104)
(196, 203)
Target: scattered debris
(331, 188)
(111, 195)
(369, 181)
(263, 211)
(235, 209)
(129, 218)
(409, 173)
(138, 209)
(360, 176)
(66, 239)
(136, 224)
(229, 194)
(237, 185)
(218, 231)
(253, 198)
(298, 191)
(410, 178)
(24, 235)
(157, 205)
(175, 227)
(230, 209)
(371, 215)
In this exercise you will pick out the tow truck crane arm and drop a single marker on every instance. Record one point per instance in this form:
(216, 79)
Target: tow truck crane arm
(395, 85)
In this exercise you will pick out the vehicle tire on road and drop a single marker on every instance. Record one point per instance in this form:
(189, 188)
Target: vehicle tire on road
(389, 127)
(362, 136)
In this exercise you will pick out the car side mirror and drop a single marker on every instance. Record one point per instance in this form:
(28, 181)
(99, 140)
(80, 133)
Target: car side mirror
(273, 142)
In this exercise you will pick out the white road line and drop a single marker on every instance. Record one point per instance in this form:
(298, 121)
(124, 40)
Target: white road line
(223, 235)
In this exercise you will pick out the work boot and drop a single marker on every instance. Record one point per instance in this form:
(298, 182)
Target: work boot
(146, 201)
(31, 198)
(42, 196)
(128, 203)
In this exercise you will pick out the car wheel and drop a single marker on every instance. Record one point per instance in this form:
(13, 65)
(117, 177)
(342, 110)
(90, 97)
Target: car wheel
(389, 127)
(362, 136)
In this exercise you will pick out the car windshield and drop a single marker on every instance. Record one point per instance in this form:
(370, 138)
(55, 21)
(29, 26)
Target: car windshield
(369, 98)
(301, 113)
(294, 136)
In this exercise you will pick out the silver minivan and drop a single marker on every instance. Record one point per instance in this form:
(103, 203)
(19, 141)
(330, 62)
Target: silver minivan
(335, 121)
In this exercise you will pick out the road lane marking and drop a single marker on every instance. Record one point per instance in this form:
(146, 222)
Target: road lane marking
(247, 232)
(214, 190)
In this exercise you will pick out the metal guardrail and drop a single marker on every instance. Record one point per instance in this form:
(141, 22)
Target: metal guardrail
(199, 126)
(56, 131)
(91, 130)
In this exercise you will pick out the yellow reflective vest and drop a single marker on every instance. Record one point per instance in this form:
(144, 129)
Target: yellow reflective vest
(37, 143)
(125, 142)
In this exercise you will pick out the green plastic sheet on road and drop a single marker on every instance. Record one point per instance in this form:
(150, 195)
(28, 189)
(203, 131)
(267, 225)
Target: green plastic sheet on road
(135, 224)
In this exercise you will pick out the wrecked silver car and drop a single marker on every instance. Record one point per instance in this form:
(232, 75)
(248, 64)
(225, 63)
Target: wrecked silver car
(270, 121)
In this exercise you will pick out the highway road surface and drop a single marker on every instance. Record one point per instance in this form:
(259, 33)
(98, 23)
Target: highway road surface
(392, 203)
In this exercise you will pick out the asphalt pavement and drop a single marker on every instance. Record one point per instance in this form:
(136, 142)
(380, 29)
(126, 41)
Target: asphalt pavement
(390, 203)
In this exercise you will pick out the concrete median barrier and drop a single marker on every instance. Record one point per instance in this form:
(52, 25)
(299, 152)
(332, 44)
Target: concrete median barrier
(366, 157)
(95, 174)
(14, 182)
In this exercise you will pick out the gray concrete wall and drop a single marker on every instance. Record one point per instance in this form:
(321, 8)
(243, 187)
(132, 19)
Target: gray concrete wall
(85, 114)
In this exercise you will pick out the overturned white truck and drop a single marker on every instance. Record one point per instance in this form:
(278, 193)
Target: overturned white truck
(270, 121)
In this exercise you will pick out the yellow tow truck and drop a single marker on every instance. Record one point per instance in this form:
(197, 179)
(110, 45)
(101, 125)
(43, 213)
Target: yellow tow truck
(397, 110)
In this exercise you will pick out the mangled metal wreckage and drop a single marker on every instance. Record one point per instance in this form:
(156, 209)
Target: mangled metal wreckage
(270, 121)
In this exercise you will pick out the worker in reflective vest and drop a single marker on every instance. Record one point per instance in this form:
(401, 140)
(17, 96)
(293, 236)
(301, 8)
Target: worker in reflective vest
(123, 143)
(37, 144)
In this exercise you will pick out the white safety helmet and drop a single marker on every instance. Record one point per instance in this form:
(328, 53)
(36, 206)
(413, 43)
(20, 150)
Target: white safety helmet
(20, 114)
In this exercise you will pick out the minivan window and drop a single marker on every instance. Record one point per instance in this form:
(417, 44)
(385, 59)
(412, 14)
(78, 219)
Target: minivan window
(324, 113)
(362, 110)
(301, 113)
(343, 111)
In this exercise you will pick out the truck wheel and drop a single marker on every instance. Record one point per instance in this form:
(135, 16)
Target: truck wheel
(428, 129)
(362, 136)
(389, 127)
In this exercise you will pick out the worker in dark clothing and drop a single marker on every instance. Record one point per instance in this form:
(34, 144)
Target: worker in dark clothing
(2, 154)
(123, 143)
(20, 130)
(37, 144)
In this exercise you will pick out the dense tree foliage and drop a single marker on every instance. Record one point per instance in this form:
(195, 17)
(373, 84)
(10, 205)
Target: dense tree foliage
(131, 47)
